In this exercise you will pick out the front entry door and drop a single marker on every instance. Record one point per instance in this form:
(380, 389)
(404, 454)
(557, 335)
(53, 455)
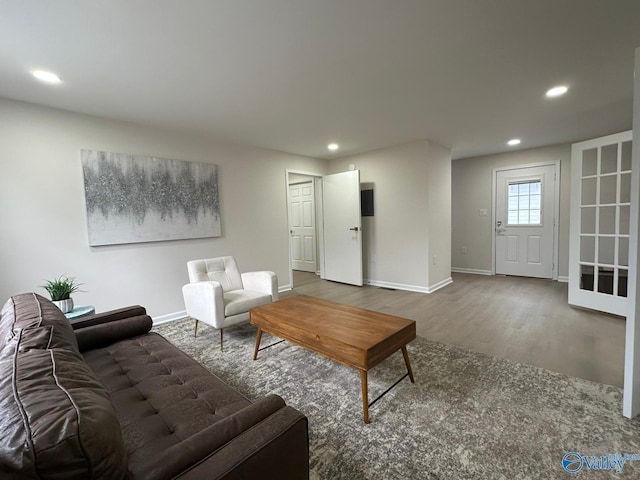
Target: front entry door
(525, 221)
(302, 226)
(342, 227)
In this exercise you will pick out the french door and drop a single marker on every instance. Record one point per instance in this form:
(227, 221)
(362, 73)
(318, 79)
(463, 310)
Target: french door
(600, 217)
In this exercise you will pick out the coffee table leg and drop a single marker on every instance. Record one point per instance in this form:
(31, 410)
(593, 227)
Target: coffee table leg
(258, 339)
(406, 361)
(365, 395)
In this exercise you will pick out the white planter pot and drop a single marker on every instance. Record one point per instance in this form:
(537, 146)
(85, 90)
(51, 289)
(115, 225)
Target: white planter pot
(65, 305)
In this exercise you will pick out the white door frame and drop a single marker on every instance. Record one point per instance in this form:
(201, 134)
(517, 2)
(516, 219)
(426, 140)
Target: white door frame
(319, 222)
(556, 210)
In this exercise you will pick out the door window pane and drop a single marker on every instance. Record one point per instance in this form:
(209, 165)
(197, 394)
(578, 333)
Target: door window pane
(588, 249)
(607, 220)
(588, 191)
(589, 159)
(605, 280)
(624, 220)
(622, 282)
(606, 246)
(586, 277)
(623, 251)
(609, 159)
(588, 220)
(523, 202)
(626, 157)
(625, 188)
(608, 186)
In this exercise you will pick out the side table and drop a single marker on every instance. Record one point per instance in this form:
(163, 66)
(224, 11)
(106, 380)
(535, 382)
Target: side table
(80, 311)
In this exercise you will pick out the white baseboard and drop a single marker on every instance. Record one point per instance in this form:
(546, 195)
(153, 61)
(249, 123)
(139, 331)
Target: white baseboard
(439, 285)
(473, 271)
(396, 286)
(563, 279)
(170, 317)
(409, 288)
(284, 288)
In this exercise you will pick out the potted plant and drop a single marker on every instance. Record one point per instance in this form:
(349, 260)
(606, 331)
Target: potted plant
(60, 290)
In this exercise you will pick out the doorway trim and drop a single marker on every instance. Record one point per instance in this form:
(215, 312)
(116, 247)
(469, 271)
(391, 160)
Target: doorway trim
(556, 209)
(319, 220)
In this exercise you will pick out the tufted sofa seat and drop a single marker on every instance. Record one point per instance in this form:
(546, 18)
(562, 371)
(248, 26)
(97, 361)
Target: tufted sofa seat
(107, 398)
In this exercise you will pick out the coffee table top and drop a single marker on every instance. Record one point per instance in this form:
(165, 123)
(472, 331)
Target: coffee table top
(350, 335)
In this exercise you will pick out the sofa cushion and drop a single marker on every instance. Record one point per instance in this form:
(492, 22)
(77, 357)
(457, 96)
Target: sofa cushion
(240, 301)
(56, 418)
(162, 397)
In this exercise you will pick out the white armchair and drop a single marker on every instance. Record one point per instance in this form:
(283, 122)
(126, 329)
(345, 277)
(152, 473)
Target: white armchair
(220, 296)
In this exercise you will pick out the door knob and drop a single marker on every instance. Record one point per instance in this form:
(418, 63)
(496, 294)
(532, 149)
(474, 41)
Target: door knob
(355, 229)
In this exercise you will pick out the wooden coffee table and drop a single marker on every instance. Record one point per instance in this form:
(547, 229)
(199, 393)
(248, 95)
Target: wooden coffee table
(353, 336)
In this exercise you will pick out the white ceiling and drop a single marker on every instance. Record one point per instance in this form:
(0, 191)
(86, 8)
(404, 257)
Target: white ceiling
(295, 75)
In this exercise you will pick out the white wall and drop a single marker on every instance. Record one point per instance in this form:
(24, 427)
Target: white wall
(412, 221)
(472, 185)
(439, 215)
(44, 232)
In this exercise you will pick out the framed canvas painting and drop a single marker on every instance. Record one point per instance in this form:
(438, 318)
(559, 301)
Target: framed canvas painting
(135, 198)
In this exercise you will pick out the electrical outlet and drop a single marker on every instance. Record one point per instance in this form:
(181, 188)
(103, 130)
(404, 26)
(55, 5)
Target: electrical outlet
(463, 250)
(484, 212)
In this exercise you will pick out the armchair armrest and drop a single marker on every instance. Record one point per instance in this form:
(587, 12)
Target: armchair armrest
(204, 301)
(265, 281)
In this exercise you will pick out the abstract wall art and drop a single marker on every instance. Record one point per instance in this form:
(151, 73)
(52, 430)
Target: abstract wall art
(135, 198)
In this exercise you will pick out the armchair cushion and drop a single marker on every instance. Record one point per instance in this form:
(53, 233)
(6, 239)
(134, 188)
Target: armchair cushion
(222, 269)
(241, 301)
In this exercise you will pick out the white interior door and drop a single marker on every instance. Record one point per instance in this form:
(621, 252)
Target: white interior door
(342, 227)
(600, 223)
(525, 221)
(302, 226)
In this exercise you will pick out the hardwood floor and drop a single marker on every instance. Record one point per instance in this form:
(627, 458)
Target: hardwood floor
(523, 319)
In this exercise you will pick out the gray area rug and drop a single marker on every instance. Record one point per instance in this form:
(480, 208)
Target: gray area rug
(468, 416)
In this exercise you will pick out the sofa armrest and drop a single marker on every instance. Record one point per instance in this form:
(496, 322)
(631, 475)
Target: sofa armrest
(266, 282)
(103, 334)
(105, 317)
(194, 450)
(277, 447)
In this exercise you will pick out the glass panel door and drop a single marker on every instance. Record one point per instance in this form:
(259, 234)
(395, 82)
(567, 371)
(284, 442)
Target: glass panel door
(599, 239)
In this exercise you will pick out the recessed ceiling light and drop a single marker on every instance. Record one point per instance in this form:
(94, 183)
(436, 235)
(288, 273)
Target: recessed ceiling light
(45, 76)
(514, 141)
(333, 147)
(557, 91)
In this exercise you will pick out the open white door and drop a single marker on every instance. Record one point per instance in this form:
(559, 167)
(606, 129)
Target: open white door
(342, 227)
(600, 223)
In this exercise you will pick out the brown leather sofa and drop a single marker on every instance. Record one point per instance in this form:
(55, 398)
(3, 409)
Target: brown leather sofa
(106, 398)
